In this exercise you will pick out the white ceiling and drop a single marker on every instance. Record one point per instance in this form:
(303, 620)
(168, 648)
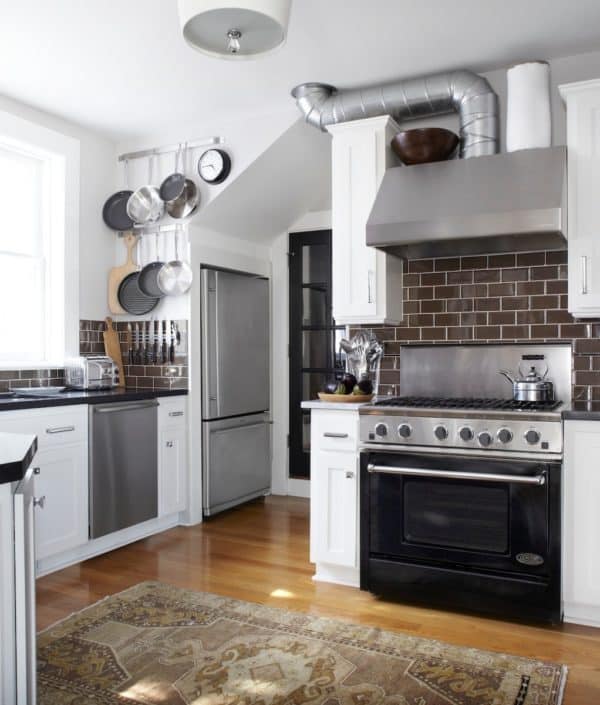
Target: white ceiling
(120, 66)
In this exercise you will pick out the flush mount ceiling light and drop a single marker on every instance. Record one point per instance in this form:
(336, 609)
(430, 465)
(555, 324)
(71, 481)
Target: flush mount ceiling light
(234, 28)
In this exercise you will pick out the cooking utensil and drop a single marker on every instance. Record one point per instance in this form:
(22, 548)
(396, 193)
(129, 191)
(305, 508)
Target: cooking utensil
(129, 344)
(132, 299)
(531, 386)
(176, 276)
(118, 274)
(424, 145)
(114, 212)
(165, 342)
(186, 203)
(172, 345)
(172, 187)
(145, 205)
(112, 348)
(148, 277)
(155, 339)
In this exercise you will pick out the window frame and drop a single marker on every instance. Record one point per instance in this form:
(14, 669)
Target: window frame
(61, 157)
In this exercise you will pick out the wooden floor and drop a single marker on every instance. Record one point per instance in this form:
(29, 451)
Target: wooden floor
(260, 553)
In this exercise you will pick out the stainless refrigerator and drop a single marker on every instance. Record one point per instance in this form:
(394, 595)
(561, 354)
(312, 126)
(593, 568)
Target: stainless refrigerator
(236, 431)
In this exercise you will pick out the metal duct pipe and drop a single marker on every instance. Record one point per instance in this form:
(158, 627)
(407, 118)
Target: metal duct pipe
(464, 92)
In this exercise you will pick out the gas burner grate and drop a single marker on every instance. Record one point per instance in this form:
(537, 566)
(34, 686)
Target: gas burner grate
(469, 403)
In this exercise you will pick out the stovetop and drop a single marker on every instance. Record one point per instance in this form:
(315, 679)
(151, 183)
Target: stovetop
(469, 403)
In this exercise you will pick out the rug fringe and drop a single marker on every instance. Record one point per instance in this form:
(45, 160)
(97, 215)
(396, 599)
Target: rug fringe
(564, 670)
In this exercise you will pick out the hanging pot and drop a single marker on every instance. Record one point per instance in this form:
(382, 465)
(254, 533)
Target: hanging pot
(176, 276)
(114, 213)
(145, 205)
(148, 276)
(531, 386)
(186, 203)
(172, 187)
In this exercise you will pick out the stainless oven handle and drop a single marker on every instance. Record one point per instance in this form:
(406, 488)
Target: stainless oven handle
(451, 475)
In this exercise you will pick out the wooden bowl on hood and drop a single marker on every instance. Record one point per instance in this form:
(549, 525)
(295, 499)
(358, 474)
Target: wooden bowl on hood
(424, 145)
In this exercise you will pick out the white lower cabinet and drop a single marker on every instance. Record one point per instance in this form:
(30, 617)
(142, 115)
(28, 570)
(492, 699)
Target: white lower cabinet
(334, 495)
(172, 455)
(581, 522)
(61, 490)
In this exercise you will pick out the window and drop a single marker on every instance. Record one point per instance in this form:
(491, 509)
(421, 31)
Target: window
(38, 253)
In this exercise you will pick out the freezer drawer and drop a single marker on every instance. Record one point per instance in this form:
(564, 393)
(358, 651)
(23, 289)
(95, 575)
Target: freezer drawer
(123, 467)
(235, 344)
(236, 461)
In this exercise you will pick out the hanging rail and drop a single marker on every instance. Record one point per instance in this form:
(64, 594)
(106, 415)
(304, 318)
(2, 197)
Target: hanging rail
(170, 149)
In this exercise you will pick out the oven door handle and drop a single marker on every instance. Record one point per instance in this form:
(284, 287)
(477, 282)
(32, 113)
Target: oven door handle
(452, 475)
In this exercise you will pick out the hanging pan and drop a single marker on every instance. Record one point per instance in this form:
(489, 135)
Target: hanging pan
(114, 213)
(186, 203)
(176, 276)
(148, 276)
(145, 205)
(172, 187)
(131, 297)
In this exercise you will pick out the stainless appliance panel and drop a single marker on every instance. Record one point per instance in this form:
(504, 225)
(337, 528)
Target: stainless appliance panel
(123, 481)
(235, 344)
(473, 370)
(237, 461)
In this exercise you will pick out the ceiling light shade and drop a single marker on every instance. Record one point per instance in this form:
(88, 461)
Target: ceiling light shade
(234, 28)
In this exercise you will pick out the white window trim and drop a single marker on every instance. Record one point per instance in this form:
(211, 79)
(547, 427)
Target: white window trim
(66, 153)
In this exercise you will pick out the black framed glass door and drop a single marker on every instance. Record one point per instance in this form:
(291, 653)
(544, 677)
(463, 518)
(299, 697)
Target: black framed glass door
(313, 336)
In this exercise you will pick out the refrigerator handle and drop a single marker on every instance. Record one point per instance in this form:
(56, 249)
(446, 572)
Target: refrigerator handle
(210, 366)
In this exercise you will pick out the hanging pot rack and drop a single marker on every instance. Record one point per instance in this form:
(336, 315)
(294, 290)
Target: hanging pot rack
(170, 149)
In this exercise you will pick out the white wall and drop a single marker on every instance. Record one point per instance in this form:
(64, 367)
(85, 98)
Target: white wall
(97, 178)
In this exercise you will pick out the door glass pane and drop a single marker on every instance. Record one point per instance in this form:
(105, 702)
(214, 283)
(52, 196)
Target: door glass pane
(316, 263)
(316, 348)
(312, 383)
(465, 515)
(315, 306)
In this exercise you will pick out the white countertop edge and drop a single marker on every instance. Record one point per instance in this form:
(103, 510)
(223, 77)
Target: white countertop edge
(338, 406)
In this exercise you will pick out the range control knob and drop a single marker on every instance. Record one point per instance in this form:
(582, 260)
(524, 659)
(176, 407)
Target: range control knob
(485, 439)
(532, 436)
(441, 432)
(404, 430)
(504, 435)
(466, 433)
(381, 430)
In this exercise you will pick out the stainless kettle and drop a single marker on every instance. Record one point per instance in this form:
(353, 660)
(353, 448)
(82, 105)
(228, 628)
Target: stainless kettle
(531, 386)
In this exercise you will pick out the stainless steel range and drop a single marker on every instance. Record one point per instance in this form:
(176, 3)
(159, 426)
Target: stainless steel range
(461, 483)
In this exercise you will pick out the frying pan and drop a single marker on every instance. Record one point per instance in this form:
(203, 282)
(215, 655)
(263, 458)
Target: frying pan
(148, 276)
(172, 187)
(176, 276)
(186, 203)
(145, 205)
(114, 213)
(132, 299)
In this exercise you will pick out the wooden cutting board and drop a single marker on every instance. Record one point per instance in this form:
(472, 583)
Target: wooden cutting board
(117, 274)
(112, 348)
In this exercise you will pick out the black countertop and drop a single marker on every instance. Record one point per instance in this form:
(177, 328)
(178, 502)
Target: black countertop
(16, 453)
(71, 397)
(582, 411)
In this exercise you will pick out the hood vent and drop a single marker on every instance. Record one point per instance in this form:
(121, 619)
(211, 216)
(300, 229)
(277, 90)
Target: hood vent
(499, 203)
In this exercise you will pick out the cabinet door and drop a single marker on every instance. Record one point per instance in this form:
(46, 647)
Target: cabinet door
(334, 499)
(581, 522)
(172, 470)
(61, 476)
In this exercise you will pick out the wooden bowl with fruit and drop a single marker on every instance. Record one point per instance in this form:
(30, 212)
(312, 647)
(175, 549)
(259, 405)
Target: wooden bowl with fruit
(348, 390)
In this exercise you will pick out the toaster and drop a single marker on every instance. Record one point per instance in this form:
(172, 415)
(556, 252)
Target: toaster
(91, 372)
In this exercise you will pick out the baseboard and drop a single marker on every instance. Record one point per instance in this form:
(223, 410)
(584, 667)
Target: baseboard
(96, 547)
(299, 488)
(587, 615)
(340, 575)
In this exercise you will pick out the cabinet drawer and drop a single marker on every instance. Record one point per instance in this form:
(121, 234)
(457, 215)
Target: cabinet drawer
(53, 427)
(172, 411)
(334, 430)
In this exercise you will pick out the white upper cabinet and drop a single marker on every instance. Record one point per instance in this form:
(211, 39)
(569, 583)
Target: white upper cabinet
(367, 283)
(583, 145)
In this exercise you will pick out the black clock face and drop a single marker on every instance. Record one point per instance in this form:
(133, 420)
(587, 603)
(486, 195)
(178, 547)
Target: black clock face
(214, 166)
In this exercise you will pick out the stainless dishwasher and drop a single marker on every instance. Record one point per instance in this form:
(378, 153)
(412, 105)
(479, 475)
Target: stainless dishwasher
(123, 465)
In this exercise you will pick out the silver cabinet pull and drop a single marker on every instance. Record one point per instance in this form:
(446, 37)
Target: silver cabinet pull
(450, 475)
(584, 281)
(37, 471)
(349, 475)
(60, 429)
(113, 408)
(39, 501)
(169, 444)
(175, 413)
(330, 434)
(370, 286)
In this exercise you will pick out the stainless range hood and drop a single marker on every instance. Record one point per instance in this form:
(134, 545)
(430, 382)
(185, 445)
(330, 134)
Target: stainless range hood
(498, 203)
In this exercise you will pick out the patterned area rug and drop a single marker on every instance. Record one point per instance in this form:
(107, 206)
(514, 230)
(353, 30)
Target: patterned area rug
(159, 645)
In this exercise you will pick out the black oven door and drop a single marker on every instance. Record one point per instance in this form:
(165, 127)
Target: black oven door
(475, 513)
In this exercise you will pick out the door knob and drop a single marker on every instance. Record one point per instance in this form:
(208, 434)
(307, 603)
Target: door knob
(39, 501)
(349, 475)
(169, 444)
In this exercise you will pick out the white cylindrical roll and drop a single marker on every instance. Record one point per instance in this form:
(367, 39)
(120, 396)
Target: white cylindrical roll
(528, 118)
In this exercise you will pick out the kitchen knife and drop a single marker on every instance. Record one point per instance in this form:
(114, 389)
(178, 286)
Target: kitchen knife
(136, 339)
(155, 339)
(129, 345)
(172, 346)
(165, 342)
